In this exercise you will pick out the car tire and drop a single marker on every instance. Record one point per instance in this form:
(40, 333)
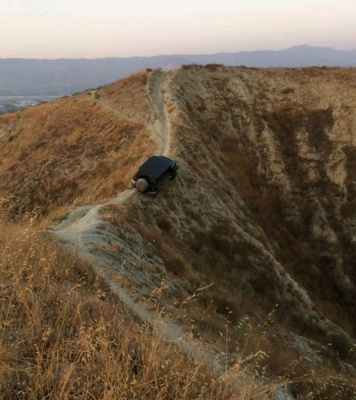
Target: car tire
(142, 185)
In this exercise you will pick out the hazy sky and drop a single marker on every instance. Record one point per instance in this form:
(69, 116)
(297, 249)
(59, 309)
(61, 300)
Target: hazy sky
(115, 28)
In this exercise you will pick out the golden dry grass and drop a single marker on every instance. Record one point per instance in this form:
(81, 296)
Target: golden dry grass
(64, 336)
(235, 174)
(67, 152)
(128, 95)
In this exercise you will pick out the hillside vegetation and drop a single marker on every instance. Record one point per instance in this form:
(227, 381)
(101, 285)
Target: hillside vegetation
(64, 336)
(67, 152)
(261, 215)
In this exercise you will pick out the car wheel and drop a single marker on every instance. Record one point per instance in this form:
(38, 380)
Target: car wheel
(142, 185)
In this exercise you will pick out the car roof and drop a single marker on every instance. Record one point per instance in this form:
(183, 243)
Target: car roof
(155, 166)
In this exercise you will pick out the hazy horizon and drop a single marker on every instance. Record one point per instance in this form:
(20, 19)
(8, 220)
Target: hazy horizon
(170, 54)
(87, 29)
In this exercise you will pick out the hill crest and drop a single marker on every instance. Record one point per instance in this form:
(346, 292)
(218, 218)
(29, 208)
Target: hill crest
(262, 208)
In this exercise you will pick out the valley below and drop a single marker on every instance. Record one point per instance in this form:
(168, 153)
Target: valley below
(12, 103)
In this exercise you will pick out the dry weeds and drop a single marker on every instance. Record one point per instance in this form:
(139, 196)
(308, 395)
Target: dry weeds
(64, 336)
(65, 153)
(244, 169)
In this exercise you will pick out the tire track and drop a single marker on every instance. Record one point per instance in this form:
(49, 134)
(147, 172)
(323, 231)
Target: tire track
(160, 124)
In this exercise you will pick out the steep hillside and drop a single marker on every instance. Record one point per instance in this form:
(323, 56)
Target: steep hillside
(70, 151)
(275, 151)
(264, 206)
(262, 214)
(64, 335)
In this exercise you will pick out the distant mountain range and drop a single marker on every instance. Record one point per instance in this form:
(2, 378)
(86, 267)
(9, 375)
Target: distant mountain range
(67, 76)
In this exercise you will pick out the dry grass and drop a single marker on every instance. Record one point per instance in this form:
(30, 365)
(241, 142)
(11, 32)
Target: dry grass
(67, 152)
(64, 336)
(222, 318)
(234, 174)
(243, 130)
(128, 95)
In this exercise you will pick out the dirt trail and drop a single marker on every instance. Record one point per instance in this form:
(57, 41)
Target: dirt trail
(85, 233)
(83, 222)
(160, 124)
(113, 110)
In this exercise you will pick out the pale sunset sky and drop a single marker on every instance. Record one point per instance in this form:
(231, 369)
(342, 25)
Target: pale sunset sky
(115, 28)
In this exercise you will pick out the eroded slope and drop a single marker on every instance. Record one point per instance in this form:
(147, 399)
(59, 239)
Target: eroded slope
(285, 140)
(263, 204)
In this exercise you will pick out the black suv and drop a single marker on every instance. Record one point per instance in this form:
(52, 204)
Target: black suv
(153, 173)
